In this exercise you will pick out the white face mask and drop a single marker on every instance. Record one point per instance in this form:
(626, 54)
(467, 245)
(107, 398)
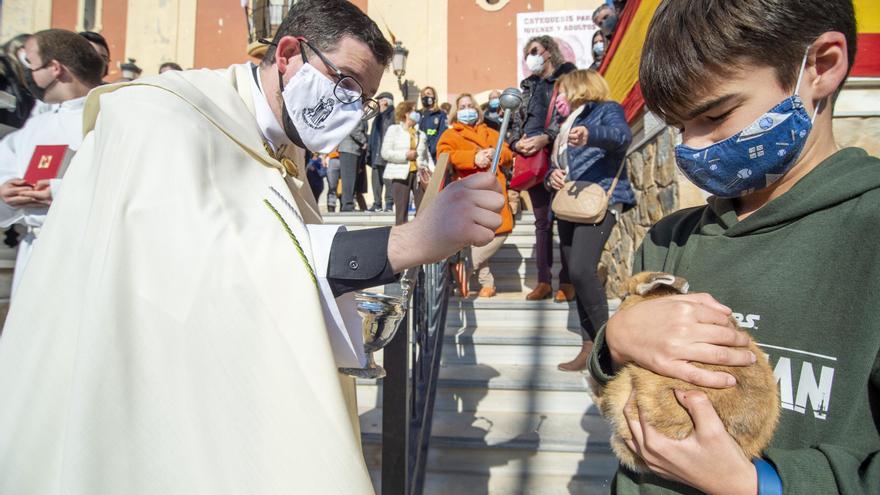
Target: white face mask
(320, 121)
(535, 63)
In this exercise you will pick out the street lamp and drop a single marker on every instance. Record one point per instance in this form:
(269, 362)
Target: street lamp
(398, 64)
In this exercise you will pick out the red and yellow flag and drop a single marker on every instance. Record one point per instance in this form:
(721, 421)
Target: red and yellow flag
(868, 56)
(621, 65)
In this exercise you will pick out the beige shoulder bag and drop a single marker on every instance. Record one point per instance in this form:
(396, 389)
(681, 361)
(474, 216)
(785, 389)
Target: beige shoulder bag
(583, 201)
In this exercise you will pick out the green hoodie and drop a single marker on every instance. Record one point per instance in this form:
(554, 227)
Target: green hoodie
(802, 274)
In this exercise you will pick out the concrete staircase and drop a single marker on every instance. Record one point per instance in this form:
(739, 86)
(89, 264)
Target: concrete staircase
(505, 421)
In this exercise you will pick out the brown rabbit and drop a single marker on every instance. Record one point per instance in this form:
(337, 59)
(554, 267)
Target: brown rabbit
(749, 410)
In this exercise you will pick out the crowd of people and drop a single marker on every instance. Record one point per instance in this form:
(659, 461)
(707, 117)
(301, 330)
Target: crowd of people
(567, 120)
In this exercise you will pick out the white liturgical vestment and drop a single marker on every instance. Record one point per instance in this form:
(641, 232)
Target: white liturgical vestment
(60, 126)
(170, 334)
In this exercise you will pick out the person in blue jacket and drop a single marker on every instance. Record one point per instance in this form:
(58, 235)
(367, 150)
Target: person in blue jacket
(433, 121)
(591, 146)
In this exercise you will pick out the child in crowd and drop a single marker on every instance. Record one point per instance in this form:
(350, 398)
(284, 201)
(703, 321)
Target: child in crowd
(787, 246)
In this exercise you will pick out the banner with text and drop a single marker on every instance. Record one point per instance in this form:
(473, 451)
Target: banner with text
(572, 29)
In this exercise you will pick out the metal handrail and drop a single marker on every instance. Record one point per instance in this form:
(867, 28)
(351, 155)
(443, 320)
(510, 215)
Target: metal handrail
(409, 389)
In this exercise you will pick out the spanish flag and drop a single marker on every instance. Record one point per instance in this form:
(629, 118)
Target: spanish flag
(621, 64)
(868, 22)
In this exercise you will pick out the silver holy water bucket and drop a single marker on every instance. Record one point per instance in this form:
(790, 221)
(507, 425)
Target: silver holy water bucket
(382, 315)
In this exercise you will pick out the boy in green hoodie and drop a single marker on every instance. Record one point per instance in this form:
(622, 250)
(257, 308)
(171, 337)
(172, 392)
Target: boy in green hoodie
(788, 241)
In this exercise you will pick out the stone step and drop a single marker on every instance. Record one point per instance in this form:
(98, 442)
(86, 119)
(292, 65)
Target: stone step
(558, 433)
(521, 483)
(503, 387)
(500, 312)
(514, 336)
(387, 218)
(495, 481)
(496, 354)
(510, 443)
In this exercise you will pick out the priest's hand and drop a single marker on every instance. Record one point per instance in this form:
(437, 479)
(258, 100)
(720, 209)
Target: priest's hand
(40, 195)
(12, 193)
(467, 212)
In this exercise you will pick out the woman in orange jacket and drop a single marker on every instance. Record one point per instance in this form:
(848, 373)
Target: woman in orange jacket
(470, 144)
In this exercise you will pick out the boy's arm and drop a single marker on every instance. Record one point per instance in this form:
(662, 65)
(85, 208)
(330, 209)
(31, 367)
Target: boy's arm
(826, 468)
(711, 460)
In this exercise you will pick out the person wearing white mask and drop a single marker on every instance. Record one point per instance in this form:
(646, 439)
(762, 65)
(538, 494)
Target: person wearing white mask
(408, 160)
(205, 359)
(534, 128)
(63, 68)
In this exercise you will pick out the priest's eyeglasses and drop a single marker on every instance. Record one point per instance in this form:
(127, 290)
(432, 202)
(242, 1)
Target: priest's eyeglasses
(347, 89)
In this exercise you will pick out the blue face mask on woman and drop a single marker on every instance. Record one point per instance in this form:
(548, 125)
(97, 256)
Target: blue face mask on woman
(467, 116)
(494, 103)
(754, 158)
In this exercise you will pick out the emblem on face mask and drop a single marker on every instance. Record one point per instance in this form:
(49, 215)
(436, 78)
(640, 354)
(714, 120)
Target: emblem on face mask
(315, 116)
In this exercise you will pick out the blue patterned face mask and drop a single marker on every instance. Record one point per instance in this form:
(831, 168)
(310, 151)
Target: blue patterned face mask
(754, 158)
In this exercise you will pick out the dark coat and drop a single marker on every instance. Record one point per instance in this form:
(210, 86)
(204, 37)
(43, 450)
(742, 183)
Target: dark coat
(354, 143)
(529, 120)
(433, 124)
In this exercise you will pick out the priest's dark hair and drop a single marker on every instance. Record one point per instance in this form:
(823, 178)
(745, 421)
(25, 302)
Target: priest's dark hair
(95, 38)
(693, 44)
(73, 52)
(325, 22)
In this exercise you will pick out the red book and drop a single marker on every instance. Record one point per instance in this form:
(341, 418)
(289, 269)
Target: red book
(48, 162)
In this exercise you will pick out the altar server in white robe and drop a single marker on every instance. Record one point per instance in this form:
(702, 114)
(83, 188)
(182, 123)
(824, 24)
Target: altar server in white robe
(171, 334)
(64, 68)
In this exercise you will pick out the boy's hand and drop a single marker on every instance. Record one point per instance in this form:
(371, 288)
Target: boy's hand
(709, 459)
(666, 334)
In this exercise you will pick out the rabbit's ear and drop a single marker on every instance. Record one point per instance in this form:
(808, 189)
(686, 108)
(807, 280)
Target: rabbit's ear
(662, 280)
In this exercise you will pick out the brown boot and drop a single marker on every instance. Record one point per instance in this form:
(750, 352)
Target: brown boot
(487, 291)
(564, 294)
(542, 291)
(579, 363)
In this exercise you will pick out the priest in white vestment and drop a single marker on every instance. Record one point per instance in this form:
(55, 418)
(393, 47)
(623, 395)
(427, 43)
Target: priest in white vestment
(64, 69)
(173, 333)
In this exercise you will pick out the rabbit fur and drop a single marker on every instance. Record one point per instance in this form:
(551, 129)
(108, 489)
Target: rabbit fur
(749, 410)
